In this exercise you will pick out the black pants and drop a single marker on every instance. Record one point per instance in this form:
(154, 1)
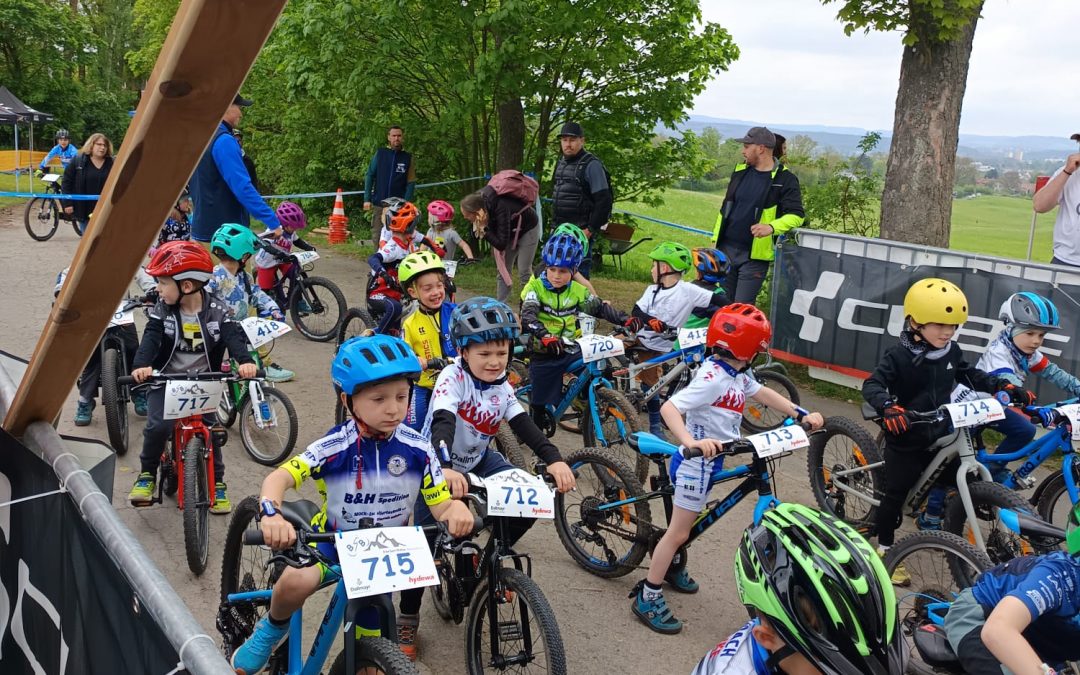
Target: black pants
(902, 471)
(158, 429)
(746, 276)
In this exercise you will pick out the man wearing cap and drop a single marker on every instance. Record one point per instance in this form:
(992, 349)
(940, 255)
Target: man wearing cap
(390, 174)
(221, 185)
(763, 201)
(581, 194)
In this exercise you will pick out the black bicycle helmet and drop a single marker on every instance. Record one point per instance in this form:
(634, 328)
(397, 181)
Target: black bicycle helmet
(479, 320)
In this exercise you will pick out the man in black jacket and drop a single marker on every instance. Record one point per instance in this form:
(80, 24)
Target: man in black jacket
(581, 194)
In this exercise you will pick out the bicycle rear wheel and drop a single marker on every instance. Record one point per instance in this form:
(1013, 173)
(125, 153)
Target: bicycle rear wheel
(527, 632)
(274, 442)
(618, 419)
(321, 319)
(376, 656)
(41, 218)
(846, 447)
(758, 417)
(196, 505)
(355, 322)
(1002, 544)
(116, 410)
(1055, 506)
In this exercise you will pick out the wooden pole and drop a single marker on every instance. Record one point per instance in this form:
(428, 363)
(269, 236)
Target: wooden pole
(210, 48)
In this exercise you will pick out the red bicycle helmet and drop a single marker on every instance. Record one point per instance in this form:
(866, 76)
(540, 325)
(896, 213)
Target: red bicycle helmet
(291, 216)
(181, 260)
(741, 329)
(402, 217)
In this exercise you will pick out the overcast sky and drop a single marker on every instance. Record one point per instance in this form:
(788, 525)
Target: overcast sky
(797, 66)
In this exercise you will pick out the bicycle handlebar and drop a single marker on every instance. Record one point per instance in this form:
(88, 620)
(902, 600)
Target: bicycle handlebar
(166, 377)
(739, 446)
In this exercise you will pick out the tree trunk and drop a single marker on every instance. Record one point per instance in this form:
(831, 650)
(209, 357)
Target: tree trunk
(511, 152)
(916, 205)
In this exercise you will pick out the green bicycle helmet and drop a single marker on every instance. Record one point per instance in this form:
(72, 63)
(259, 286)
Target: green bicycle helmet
(575, 232)
(233, 241)
(416, 264)
(1072, 539)
(823, 588)
(676, 255)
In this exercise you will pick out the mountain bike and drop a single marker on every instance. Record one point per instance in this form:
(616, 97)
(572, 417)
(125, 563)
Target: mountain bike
(606, 523)
(187, 460)
(249, 571)
(114, 363)
(511, 626)
(316, 305)
(43, 214)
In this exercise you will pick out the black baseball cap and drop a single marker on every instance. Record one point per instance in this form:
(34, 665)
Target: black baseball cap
(759, 136)
(572, 129)
(241, 101)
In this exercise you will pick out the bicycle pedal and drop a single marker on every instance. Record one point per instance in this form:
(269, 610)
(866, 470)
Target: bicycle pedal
(509, 630)
(1025, 482)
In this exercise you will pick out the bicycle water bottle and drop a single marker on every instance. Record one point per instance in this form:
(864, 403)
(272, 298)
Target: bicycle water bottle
(226, 367)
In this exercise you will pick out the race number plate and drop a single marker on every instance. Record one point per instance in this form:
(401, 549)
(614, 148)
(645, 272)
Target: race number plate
(516, 493)
(974, 413)
(692, 337)
(596, 347)
(260, 331)
(1072, 411)
(587, 324)
(184, 398)
(51, 177)
(122, 318)
(384, 559)
(305, 257)
(778, 441)
(451, 267)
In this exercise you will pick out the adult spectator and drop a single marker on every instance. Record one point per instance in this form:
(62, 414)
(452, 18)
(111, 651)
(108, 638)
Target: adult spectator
(780, 149)
(1063, 190)
(390, 173)
(581, 193)
(63, 149)
(763, 201)
(221, 186)
(86, 175)
(495, 219)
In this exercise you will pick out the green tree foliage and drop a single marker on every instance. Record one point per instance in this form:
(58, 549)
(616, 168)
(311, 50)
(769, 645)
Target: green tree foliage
(925, 22)
(846, 198)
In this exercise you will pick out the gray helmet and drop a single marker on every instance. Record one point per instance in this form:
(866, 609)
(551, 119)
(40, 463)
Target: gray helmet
(1029, 311)
(62, 133)
(479, 320)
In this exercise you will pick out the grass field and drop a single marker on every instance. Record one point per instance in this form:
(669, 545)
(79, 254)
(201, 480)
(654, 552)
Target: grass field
(7, 184)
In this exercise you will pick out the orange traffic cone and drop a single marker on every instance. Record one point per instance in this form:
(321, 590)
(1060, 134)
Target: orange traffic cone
(339, 230)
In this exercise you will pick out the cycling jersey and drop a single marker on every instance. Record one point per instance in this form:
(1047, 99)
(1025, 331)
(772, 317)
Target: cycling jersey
(428, 333)
(739, 654)
(1003, 358)
(240, 293)
(367, 478)
(65, 155)
(479, 409)
(671, 305)
(713, 401)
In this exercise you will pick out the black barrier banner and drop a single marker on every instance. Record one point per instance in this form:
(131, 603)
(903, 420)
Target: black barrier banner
(65, 609)
(839, 304)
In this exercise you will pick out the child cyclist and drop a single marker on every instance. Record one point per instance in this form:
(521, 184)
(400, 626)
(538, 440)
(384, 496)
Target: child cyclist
(188, 331)
(267, 265)
(441, 227)
(233, 245)
(362, 465)
(820, 601)
(668, 303)
(384, 289)
(550, 305)
(713, 406)
(427, 330)
(579, 234)
(1028, 317)
(1023, 615)
(919, 373)
(472, 398)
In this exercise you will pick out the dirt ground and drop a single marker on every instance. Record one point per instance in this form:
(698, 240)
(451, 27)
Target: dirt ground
(599, 632)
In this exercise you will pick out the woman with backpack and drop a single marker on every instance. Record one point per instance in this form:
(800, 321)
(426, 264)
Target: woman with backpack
(503, 213)
(86, 175)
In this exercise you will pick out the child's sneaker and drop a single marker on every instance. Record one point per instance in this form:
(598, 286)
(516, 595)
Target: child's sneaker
(138, 399)
(900, 576)
(275, 373)
(222, 505)
(407, 627)
(252, 656)
(143, 490)
(681, 581)
(84, 413)
(654, 613)
(925, 521)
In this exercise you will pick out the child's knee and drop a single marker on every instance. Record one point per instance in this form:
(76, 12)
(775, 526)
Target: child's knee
(298, 584)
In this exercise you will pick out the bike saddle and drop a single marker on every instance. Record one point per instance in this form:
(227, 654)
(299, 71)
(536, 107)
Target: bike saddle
(934, 648)
(300, 513)
(651, 446)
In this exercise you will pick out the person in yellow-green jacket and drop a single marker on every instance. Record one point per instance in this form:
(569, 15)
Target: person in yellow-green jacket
(763, 201)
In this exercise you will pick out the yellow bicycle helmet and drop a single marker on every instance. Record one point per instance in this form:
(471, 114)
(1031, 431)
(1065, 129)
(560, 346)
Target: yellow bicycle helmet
(416, 264)
(936, 301)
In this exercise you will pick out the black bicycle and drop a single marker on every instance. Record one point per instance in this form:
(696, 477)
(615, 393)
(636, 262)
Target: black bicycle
(316, 305)
(43, 214)
(114, 364)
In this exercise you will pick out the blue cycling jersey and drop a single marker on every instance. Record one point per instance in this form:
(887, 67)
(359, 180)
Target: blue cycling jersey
(65, 155)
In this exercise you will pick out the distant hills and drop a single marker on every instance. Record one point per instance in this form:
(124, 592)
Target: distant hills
(845, 139)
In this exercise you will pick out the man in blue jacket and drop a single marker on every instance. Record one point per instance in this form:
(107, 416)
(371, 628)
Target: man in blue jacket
(221, 186)
(390, 174)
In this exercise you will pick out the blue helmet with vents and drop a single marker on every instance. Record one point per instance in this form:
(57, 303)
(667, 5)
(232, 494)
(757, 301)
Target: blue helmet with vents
(365, 361)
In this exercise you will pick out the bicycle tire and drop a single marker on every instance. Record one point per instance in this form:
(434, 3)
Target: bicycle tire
(304, 324)
(196, 506)
(250, 431)
(821, 463)
(378, 653)
(612, 406)
(529, 600)
(40, 214)
(757, 417)
(613, 481)
(355, 322)
(116, 418)
(1002, 545)
(1051, 492)
(507, 444)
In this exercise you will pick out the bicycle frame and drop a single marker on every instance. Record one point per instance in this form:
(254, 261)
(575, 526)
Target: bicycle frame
(237, 390)
(1037, 452)
(587, 375)
(686, 356)
(186, 429)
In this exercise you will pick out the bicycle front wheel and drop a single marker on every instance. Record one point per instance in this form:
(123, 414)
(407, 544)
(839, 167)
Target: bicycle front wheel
(525, 637)
(41, 217)
(317, 307)
(376, 656)
(1002, 544)
(618, 419)
(196, 505)
(838, 463)
(356, 321)
(273, 442)
(758, 417)
(116, 418)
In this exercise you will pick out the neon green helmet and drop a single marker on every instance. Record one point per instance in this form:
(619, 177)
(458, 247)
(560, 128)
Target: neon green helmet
(675, 255)
(233, 241)
(1072, 539)
(575, 232)
(823, 588)
(416, 264)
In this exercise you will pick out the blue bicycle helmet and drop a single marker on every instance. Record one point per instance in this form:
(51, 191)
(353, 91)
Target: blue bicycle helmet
(711, 264)
(562, 250)
(364, 361)
(1029, 311)
(479, 320)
